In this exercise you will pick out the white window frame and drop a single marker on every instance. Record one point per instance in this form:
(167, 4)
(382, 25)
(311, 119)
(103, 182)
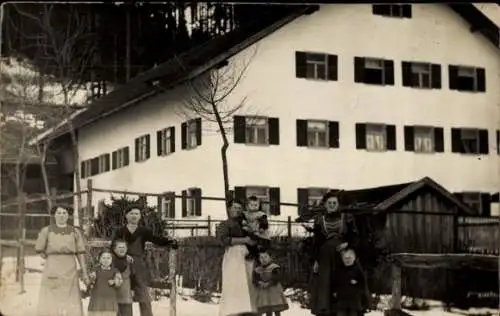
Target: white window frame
(315, 195)
(166, 207)
(470, 72)
(373, 130)
(143, 148)
(471, 199)
(315, 140)
(262, 193)
(165, 141)
(316, 64)
(87, 165)
(190, 202)
(422, 134)
(254, 124)
(421, 70)
(191, 134)
(120, 158)
(102, 163)
(469, 134)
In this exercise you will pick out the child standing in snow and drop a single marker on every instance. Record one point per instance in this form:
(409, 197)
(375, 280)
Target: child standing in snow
(270, 296)
(105, 281)
(123, 265)
(256, 226)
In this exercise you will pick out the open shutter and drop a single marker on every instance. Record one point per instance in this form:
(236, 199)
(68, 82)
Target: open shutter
(438, 139)
(107, 162)
(389, 72)
(380, 9)
(171, 197)
(83, 172)
(391, 137)
(453, 77)
(158, 143)
(301, 131)
(332, 62)
(159, 203)
(198, 131)
(360, 136)
(136, 146)
(359, 69)
(126, 156)
(300, 65)
(148, 146)
(495, 198)
(483, 141)
(406, 72)
(409, 138)
(114, 158)
(481, 79)
(239, 129)
(240, 194)
(333, 134)
(274, 201)
(485, 204)
(406, 10)
(456, 140)
(184, 203)
(172, 139)
(274, 130)
(183, 135)
(302, 200)
(197, 202)
(436, 76)
(94, 166)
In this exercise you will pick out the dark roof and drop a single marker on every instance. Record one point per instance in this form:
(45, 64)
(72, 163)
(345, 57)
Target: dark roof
(371, 197)
(215, 51)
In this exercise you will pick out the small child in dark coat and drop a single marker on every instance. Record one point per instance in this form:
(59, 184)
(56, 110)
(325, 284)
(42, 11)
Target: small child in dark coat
(351, 293)
(256, 226)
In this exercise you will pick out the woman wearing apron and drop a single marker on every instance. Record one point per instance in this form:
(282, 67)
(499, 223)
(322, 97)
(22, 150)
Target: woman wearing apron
(136, 237)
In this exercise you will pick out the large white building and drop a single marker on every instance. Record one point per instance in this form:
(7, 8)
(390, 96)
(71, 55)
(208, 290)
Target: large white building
(348, 96)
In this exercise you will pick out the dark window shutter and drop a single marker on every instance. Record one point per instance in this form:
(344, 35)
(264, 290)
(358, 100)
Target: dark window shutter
(239, 129)
(391, 137)
(495, 198)
(453, 77)
(332, 67)
(333, 134)
(359, 69)
(438, 139)
(94, 166)
(158, 143)
(171, 197)
(274, 201)
(183, 135)
(148, 146)
(107, 162)
(409, 138)
(485, 204)
(82, 170)
(197, 202)
(114, 159)
(274, 130)
(498, 142)
(159, 201)
(456, 140)
(436, 76)
(126, 156)
(407, 10)
(481, 79)
(198, 131)
(136, 149)
(302, 200)
(483, 141)
(389, 72)
(300, 65)
(301, 131)
(172, 139)
(406, 71)
(360, 136)
(184, 203)
(380, 9)
(240, 194)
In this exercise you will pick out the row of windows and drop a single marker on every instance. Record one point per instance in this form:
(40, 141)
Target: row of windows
(379, 71)
(191, 200)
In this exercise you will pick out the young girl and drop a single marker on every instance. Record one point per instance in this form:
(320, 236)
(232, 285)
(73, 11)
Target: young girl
(270, 296)
(351, 293)
(105, 281)
(257, 227)
(122, 264)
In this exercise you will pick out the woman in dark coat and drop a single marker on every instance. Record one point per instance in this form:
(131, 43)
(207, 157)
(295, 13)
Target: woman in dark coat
(333, 232)
(136, 236)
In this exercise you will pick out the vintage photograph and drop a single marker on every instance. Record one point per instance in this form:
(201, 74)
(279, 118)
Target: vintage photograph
(249, 159)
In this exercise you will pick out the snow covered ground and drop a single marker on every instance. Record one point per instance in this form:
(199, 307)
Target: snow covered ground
(12, 303)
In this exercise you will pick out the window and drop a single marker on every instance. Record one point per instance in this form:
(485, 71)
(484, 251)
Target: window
(373, 71)
(165, 141)
(256, 130)
(375, 137)
(269, 196)
(120, 158)
(424, 139)
(310, 198)
(167, 205)
(317, 133)
(191, 202)
(477, 201)
(104, 163)
(392, 10)
(466, 78)
(317, 66)
(262, 193)
(85, 169)
(191, 134)
(142, 148)
(469, 141)
(421, 75)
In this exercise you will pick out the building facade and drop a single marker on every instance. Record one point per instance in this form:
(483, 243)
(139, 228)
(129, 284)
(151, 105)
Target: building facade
(333, 99)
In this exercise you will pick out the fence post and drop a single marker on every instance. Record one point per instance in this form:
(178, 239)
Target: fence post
(21, 231)
(88, 209)
(52, 201)
(173, 284)
(289, 227)
(396, 287)
(209, 225)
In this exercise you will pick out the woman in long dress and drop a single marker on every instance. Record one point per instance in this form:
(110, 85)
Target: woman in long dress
(60, 244)
(333, 232)
(238, 292)
(136, 237)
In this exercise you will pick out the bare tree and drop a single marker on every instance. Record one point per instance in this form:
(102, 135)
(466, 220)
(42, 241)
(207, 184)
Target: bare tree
(211, 97)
